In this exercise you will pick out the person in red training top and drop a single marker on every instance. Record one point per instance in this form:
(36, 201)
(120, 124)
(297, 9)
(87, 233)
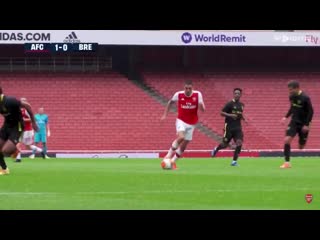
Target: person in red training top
(27, 136)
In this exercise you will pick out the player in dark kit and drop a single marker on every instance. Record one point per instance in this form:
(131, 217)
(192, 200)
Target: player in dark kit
(12, 127)
(301, 112)
(233, 113)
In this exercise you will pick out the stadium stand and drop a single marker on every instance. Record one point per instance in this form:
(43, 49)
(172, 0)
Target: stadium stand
(109, 112)
(265, 103)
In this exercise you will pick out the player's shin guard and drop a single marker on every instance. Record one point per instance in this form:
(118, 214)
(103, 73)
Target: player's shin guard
(236, 153)
(172, 149)
(287, 149)
(2, 162)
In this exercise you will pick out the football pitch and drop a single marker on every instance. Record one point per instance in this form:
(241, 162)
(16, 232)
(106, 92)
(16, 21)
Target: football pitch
(134, 184)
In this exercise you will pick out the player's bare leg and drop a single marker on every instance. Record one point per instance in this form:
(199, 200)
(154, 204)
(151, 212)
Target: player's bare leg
(8, 148)
(4, 169)
(176, 143)
(18, 157)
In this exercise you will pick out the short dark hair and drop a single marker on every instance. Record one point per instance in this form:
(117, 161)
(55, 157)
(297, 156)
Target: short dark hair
(239, 89)
(188, 82)
(293, 84)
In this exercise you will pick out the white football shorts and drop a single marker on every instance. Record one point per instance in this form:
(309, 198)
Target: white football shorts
(181, 126)
(27, 137)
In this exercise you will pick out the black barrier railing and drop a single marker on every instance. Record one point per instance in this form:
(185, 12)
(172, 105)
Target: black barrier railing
(55, 64)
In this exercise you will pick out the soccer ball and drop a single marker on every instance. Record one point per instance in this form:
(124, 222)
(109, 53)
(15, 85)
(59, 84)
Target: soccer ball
(166, 163)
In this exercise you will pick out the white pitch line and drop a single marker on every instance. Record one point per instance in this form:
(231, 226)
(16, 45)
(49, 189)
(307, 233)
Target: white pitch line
(27, 193)
(197, 191)
(157, 191)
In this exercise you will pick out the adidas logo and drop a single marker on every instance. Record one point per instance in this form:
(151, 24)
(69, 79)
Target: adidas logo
(71, 38)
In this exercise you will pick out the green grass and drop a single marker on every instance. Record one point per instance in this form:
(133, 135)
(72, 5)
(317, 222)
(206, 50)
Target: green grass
(141, 184)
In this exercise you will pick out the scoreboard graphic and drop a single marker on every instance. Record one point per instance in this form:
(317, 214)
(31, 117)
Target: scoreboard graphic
(60, 47)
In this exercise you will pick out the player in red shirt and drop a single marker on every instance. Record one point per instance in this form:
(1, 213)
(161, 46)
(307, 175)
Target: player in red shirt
(188, 102)
(27, 137)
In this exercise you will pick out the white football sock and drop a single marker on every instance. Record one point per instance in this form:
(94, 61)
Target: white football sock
(37, 149)
(177, 155)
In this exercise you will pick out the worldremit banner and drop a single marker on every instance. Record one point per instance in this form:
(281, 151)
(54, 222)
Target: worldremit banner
(169, 38)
